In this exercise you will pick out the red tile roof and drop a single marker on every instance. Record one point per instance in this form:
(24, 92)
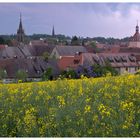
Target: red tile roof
(69, 62)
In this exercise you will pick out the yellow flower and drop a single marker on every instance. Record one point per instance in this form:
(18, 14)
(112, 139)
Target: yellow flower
(87, 108)
(104, 110)
(61, 101)
(125, 105)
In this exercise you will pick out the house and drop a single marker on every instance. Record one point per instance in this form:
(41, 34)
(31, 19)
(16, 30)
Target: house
(122, 62)
(34, 67)
(39, 49)
(66, 62)
(60, 51)
(14, 52)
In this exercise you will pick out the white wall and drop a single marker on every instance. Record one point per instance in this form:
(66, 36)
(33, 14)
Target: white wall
(55, 54)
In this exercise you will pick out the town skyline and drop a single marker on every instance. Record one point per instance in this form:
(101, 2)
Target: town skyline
(85, 20)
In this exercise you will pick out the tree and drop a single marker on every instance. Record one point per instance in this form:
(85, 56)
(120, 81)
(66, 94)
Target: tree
(75, 41)
(46, 56)
(21, 75)
(2, 41)
(110, 69)
(3, 74)
(70, 73)
(52, 41)
(100, 70)
(93, 44)
(8, 42)
(47, 75)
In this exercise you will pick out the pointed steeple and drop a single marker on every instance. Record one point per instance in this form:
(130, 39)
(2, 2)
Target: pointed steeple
(20, 31)
(137, 27)
(53, 32)
(20, 24)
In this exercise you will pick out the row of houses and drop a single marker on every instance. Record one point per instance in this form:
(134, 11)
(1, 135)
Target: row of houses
(29, 57)
(122, 62)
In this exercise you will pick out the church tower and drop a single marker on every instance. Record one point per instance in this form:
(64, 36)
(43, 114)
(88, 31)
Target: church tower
(135, 39)
(53, 32)
(20, 32)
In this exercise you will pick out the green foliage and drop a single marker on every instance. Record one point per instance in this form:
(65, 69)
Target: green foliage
(21, 75)
(46, 56)
(47, 74)
(75, 41)
(3, 74)
(102, 70)
(93, 44)
(52, 41)
(137, 72)
(62, 38)
(70, 73)
(2, 41)
(5, 41)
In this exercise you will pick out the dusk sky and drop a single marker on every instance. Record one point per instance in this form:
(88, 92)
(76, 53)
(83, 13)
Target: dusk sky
(82, 19)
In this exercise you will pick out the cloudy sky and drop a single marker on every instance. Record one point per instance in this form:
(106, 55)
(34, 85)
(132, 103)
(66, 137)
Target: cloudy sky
(82, 19)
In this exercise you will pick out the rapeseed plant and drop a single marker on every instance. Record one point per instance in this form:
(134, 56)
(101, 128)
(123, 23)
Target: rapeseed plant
(94, 107)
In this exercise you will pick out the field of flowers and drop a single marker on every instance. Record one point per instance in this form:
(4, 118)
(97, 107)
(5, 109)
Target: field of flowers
(95, 107)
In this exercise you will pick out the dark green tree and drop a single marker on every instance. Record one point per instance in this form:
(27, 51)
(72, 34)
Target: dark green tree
(21, 75)
(69, 74)
(2, 41)
(3, 74)
(75, 41)
(46, 56)
(47, 75)
(93, 44)
(102, 70)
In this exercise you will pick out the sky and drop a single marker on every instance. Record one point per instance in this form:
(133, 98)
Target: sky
(116, 20)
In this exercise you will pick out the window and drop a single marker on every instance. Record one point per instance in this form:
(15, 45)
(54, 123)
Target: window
(131, 58)
(123, 58)
(117, 58)
(110, 59)
(95, 59)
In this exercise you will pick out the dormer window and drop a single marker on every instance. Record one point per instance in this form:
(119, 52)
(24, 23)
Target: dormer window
(110, 59)
(123, 58)
(131, 58)
(117, 58)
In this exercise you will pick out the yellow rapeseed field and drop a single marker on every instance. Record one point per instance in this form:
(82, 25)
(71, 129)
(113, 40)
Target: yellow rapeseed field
(95, 107)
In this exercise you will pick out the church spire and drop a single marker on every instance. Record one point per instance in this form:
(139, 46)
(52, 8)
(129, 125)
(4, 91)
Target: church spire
(137, 27)
(20, 31)
(20, 16)
(53, 32)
